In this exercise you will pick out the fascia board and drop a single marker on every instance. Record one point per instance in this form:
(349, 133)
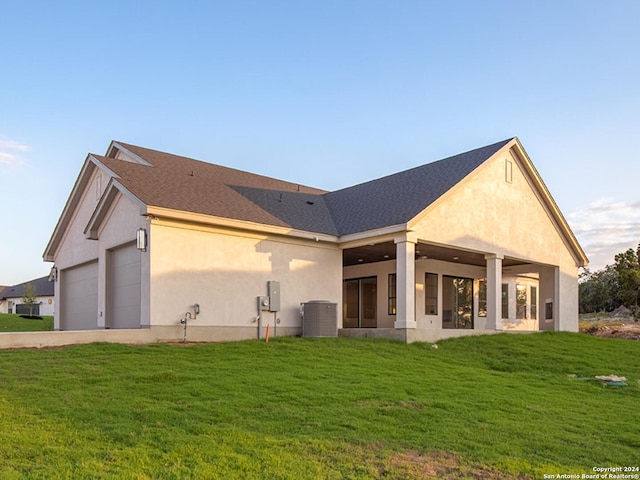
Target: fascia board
(199, 218)
(102, 166)
(377, 235)
(550, 204)
(116, 146)
(69, 208)
(104, 205)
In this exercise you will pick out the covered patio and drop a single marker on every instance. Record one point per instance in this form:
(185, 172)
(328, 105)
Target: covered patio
(407, 288)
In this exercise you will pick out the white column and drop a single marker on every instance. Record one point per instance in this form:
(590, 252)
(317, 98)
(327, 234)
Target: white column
(549, 292)
(494, 291)
(405, 282)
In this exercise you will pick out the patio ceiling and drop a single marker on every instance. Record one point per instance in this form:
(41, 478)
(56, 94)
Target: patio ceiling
(381, 252)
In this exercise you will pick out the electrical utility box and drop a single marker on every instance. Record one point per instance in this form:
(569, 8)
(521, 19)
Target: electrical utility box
(273, 292)
(319, 319)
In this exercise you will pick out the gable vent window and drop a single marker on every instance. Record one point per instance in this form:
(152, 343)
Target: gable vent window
(98, 186)
(508, 171)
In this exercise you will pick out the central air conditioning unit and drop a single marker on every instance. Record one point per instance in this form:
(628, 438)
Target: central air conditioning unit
(319, 318)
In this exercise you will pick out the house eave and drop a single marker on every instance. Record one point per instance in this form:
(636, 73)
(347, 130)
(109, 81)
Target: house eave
(378, 234)
(67, 212)
(567, 234)
(203, 219)
(114, 147)
(105, 204)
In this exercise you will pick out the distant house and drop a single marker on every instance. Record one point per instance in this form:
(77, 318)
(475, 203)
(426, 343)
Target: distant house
(473, 243)
(11, 298)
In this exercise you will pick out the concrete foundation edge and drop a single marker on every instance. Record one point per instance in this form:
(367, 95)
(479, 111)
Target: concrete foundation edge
(175, 334)
(141, 336)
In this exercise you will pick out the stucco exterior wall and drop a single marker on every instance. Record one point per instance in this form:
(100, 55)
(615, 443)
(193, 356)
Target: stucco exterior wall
(74, 248)
(487, 213)
(224, 272)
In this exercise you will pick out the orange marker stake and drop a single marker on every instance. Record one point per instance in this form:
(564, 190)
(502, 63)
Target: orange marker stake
(266, 337)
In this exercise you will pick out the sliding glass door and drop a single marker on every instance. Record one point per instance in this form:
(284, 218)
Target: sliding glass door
(360, 303)
(457, 302)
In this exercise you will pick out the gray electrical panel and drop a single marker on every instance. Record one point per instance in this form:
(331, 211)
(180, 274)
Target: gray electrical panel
(319, 319)
(273, 292)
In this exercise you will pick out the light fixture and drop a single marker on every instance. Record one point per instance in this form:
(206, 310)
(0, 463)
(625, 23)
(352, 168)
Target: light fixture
(141, 240)
(53, 274)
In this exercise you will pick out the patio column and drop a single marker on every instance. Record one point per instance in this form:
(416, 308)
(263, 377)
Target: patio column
(405, 281)
(494, 291)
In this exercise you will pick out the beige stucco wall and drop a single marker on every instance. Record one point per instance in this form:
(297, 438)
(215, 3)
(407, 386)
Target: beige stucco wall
(74, 248)
(224, 271)
(486, 213)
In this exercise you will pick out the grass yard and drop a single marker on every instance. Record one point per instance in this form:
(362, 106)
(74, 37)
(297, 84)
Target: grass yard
(15, 323)
(498, 406)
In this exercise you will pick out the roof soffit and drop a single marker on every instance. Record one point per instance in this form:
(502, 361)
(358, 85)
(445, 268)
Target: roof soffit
(157, 213)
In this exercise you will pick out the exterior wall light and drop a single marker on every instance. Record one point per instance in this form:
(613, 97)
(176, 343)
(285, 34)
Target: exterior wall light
(141, 240)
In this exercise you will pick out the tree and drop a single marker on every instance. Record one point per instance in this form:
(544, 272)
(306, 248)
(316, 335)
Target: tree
(29, 298)
(628, 267)
(599, 290)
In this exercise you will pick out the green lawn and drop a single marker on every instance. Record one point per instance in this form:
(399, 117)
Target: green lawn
(15, 323)
(498, 406)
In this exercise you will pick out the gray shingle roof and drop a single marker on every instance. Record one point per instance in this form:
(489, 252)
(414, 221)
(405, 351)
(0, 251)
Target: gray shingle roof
(302, 211)
(397, 198)
(181, 183)
(184, 184)
(44, 288)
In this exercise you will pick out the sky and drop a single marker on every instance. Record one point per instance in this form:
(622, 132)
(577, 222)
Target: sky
(327, 93)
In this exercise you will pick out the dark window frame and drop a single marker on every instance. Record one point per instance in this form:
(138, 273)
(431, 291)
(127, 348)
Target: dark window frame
(505, 301)
(482, 297)
(392, 290)
(431, 293)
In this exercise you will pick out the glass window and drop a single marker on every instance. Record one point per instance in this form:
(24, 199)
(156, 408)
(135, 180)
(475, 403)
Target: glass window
(521, 302)
(548, 311)
(457, 302)
(482, 298)
(505, 300)
(392, 294)
(534, 302)
(431, 293)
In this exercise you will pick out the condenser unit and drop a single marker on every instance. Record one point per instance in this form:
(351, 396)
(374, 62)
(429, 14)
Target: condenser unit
(319, 318)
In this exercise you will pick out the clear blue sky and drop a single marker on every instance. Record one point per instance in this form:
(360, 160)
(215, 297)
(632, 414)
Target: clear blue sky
(327, 93)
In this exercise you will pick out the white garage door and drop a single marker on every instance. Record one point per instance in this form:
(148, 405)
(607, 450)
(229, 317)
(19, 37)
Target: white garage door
(79, 297)
(124, 288)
